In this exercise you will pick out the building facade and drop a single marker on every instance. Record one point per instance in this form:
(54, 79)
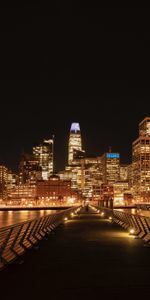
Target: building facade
(54, 188)
(124, 175)
(111, 167)
(44, 155)
(75, 143)
(3, 182)
(92, 177)
(23, 194)
(141, 161)
(29, 170)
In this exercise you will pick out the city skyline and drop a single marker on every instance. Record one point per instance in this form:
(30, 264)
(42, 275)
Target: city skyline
(92, 177)
(91, 150)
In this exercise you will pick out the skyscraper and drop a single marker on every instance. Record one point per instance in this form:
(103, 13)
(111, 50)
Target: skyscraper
(29, 169)
(44, 154)
(141, 160)
(111, 167)
(3, 182)
(92, 176)
(124, 172)
(75, 142)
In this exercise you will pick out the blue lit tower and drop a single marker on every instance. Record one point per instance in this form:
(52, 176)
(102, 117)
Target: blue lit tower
(75, 142)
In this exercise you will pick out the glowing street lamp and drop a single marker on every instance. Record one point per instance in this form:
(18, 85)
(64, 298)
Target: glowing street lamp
(131, 231)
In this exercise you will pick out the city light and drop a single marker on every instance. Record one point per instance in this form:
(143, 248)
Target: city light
(102, 179)
(75, 142)
(131, 231)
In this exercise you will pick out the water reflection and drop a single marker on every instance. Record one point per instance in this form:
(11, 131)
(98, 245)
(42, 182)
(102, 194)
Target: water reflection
(12, 217)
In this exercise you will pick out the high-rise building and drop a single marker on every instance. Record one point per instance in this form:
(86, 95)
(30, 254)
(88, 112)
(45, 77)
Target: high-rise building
(76, 154)
(124, 172)
(44, 154)
(3, 182)
(92, 177)
(85, 176)
(111, 167)
(144, 127)
(12, 180)
(130, 175)
(29, 170)
(75, 143)
(76, 176)
(141, 161)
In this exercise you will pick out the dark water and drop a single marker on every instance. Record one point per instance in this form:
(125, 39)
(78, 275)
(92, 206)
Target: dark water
(11, 217)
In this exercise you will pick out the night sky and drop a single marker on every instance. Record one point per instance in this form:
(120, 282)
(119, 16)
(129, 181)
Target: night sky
(64, 64)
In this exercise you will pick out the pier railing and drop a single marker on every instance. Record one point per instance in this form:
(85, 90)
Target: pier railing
(144, 206)
(17, 238)
(134, 223)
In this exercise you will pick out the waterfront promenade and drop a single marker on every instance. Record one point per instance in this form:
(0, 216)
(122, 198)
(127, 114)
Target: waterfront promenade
(86, 257)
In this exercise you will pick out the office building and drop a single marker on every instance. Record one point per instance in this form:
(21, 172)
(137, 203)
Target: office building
(54, 189)
(75, 144)
(12, 181)
(44, 155)
(124, 172)
(3, 182)
(92, 177)
(77, 177)
(141, 161)
(110, 167)
(22, 194)
(130, 175)
(29, 170)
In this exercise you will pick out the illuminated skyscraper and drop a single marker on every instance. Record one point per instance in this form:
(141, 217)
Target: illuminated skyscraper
(3, 182)
(44, 154)
(124, 172)
(29, 169)
(92, 172)
(111, 167)
(141, 160)
(75, 143)
(144, 127)
(12, 180)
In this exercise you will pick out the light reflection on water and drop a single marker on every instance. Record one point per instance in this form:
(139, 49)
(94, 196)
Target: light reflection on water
(12, 217)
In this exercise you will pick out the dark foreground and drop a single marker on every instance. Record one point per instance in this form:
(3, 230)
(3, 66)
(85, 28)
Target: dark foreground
(85, 258)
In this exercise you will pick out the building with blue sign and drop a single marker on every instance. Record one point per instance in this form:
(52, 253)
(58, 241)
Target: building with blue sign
(112, 155)
(111, 167)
